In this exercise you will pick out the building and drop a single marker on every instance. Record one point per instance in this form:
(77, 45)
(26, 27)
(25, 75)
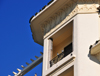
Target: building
(67, 29)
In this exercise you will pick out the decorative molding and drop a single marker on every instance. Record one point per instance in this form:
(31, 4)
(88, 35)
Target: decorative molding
(66, 13)
(70, 2)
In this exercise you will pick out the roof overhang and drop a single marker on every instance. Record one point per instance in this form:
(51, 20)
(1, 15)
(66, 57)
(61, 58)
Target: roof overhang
(49, 11)
(42, 16)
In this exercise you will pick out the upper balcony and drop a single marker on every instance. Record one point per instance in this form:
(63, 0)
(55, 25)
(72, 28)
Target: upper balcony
(62, 44)
(59, 48)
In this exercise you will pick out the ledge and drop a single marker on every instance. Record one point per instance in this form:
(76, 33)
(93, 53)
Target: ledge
(95, 49)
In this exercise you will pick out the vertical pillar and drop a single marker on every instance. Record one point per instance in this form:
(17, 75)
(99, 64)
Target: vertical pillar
(50, 51)
(50, 48)
(47, 55)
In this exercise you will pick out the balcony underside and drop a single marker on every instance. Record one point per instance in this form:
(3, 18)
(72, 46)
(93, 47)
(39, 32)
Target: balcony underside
(68, 72)
(95, 49)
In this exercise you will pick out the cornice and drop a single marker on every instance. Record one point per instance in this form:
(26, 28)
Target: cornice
(70, 11)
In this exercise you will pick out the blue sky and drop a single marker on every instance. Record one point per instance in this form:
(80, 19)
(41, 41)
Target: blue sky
(16, 43)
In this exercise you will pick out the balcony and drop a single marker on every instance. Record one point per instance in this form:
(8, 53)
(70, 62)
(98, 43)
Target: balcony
(67, 50)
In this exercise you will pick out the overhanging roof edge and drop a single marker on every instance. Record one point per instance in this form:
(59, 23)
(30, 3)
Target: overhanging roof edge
(45, 8)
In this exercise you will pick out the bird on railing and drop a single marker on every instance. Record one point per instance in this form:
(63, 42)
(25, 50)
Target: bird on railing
(35, 74)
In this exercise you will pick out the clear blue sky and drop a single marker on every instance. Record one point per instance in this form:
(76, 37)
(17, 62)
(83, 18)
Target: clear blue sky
(16, 43)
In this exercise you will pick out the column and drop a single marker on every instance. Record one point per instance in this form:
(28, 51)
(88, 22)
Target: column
(50, 51)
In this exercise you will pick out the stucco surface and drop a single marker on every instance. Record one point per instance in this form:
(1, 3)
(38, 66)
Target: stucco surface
(85, 34)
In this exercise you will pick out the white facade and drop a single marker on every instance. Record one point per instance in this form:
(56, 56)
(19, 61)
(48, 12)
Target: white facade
(78, 24)
(85, 33)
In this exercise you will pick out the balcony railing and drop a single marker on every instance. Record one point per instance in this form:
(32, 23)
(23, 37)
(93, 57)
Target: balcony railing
(56, 59)
(67, 51)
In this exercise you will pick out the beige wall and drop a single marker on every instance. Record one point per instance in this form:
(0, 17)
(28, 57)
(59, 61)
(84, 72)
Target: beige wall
(60, 47)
